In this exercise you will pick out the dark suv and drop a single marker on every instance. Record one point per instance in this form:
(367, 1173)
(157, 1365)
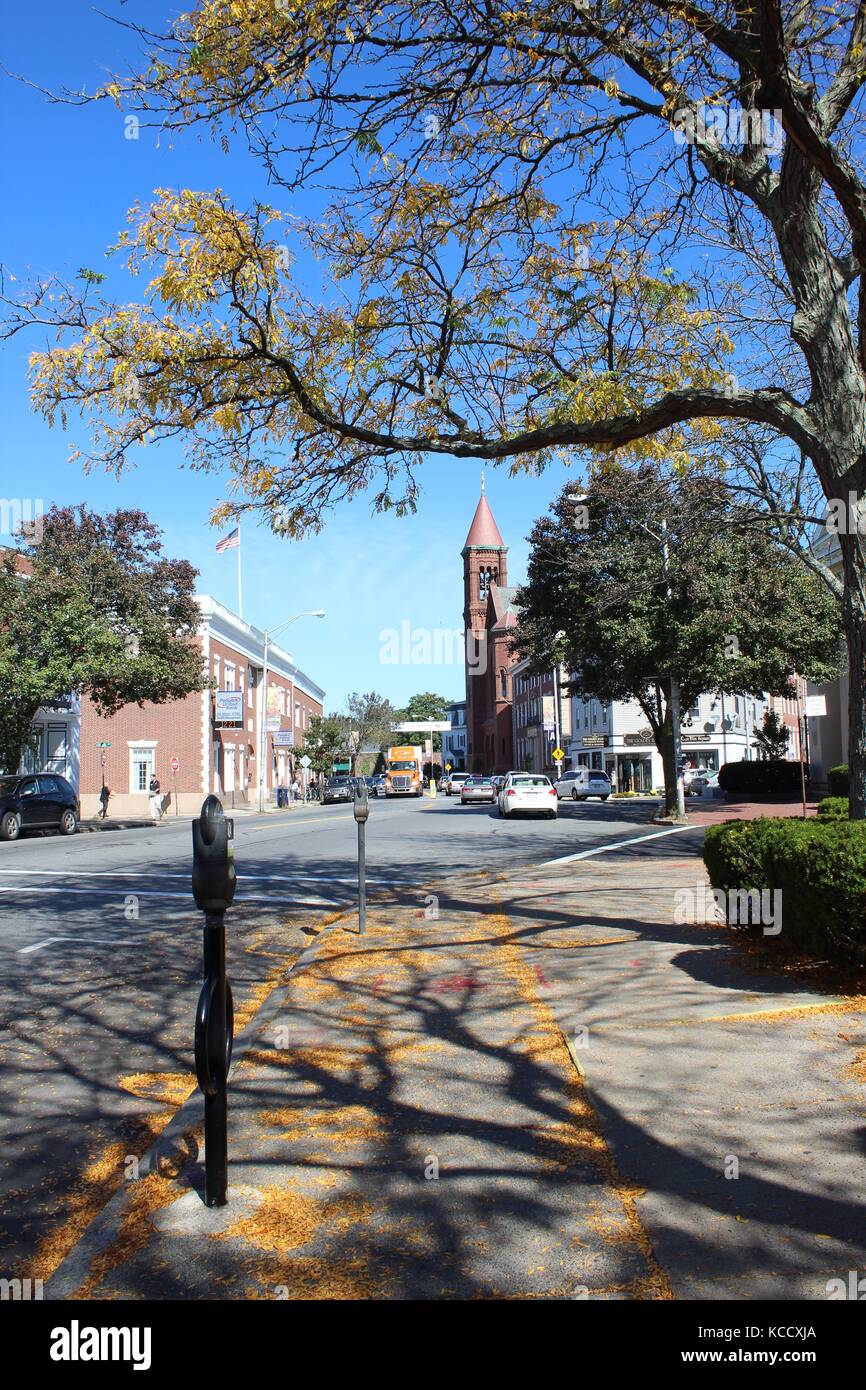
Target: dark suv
(338, 789)
(37, 801)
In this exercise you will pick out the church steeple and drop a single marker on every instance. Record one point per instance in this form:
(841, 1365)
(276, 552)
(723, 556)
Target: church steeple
(484, 566)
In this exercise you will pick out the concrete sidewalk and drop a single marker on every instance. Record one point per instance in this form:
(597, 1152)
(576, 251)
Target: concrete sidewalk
(537, 1093)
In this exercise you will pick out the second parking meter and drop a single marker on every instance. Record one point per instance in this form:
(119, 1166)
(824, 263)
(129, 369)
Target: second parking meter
(213, 884)
(362, 811)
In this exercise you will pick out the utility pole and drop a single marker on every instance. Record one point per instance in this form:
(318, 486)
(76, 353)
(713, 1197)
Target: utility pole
(674, 692)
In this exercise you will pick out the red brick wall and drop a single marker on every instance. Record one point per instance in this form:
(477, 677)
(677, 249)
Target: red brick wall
(177, 729)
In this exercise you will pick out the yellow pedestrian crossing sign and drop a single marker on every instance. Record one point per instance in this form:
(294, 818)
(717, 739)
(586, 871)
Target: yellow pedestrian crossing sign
(558, 755)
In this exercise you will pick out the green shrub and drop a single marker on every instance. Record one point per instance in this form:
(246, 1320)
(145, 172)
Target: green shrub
(764, 777)
(834, 807)
(838, 780)
(820, 867)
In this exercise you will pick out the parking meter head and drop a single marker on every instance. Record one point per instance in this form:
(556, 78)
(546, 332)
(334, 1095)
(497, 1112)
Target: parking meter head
(362, 804)
(213, 870)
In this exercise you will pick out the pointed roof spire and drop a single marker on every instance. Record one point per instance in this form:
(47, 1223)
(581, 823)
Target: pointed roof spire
(484, 533)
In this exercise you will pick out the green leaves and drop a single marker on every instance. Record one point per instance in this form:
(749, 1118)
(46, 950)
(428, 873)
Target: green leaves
(102, 612)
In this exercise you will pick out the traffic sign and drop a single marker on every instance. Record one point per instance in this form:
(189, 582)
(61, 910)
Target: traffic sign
(103, 745)
(305, 761)
(558, 755)
(175, 763)
(447, 767)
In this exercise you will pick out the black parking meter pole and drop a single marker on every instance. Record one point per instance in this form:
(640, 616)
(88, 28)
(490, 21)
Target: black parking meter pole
(213, 886)
(362, 811)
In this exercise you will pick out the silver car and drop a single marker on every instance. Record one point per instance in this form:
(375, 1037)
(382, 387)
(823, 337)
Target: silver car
(478, 789)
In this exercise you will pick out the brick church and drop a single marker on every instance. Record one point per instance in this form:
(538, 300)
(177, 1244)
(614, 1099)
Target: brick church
(490, 618)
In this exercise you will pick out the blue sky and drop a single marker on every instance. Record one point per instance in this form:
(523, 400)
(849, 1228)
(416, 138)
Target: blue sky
(69, 177)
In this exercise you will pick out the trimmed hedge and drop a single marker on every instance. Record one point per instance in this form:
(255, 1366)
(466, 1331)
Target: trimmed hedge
(820, 867)
(838, 780)
(764, 777)
(834, 807)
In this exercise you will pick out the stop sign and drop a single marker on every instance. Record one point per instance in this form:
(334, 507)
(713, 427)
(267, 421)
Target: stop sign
(175, 763)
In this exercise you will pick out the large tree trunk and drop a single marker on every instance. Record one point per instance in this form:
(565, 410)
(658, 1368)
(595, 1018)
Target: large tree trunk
(665, 745)
(854, 615)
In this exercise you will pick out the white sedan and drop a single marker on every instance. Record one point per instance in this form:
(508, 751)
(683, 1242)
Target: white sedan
(528, 791)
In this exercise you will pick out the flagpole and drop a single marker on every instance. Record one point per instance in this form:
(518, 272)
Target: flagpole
(240, 590)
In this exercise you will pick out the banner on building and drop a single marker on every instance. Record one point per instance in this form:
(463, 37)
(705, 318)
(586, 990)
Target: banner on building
(229, 707)
(283, 738)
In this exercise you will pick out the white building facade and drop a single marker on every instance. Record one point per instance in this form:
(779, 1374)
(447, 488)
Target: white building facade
(454, 742)
(616, 737)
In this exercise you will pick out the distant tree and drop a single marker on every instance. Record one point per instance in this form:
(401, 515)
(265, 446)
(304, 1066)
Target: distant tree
(102, 612)
(647, 578)
(370, 718)
(426, 706)
(326, 741)
(772, 739)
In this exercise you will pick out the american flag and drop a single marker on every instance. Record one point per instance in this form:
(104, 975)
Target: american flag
(231, 540)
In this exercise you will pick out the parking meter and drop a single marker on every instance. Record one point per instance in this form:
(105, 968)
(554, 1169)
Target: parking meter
(362, 811)
(213, 871)
(213, 884)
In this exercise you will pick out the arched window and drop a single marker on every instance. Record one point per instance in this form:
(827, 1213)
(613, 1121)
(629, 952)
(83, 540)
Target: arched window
(503, 684)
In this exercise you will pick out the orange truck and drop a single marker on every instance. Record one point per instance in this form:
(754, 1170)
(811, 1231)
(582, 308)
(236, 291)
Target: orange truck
(404, 771)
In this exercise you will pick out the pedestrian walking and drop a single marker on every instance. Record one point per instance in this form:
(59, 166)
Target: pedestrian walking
(155, 791)
(296, 790)
(103, 800)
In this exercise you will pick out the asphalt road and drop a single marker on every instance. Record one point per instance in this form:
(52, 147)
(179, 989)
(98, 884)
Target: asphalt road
(101, 956)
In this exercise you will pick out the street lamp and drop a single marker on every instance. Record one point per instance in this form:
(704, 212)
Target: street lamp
(263, 730)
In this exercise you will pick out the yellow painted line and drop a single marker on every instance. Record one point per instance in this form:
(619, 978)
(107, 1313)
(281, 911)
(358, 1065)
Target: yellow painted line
(797, 1011)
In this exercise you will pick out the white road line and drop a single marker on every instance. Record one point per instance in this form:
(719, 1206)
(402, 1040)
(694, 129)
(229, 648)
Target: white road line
(153, 893)
(620, 844)
(49, 940)
(185, 878)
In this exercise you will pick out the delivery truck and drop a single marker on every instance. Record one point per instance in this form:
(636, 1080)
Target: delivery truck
(404, 771)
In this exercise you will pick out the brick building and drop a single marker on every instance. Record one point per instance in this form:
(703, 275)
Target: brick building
(489, 618)
(214, 734)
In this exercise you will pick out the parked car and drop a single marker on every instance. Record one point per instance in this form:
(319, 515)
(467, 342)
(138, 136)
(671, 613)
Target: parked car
(699, 780)
(338, 789)
(477, 789)
(499, 782)
(455, 782)
(377, 784)
(528, 791)
(37, 801)
(582, 783)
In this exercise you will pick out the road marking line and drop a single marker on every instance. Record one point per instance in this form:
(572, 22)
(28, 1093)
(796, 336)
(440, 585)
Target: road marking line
(619, 844)
(187, 897)
(97, 940)
(185, 878)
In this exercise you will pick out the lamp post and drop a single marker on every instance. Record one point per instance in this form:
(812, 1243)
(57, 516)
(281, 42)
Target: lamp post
(263, 704)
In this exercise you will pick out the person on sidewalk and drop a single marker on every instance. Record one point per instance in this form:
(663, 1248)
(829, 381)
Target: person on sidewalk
(103, 800)
(296, 790)
(155, 792)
